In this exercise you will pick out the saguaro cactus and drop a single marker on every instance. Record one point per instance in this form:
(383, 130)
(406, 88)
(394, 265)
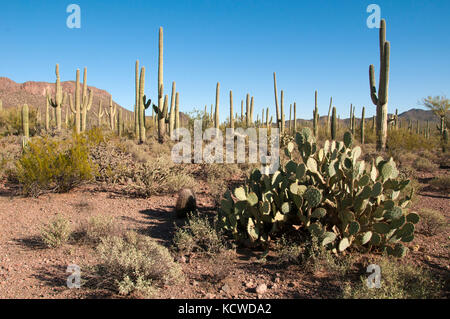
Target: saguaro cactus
(333, 124)
(177, 111)
(86, 101)
(172, 110)
(251, 110)
(381, 99)
(100, 114)
(160, 111)
(216, 115)
(328, 116)
(231, 110)
(247, 111)
(363, 124)
(315, 117)
(76, 109)
(112, 113)
(25, 121)
(1, 106)
(137, 100)
(47, 114)
(295, 117)
(282, 112)
(145, 104)
(278, 119)
(290, 118)
(59, 100)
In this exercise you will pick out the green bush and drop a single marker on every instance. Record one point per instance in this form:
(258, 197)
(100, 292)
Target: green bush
(136, 263)
(56, 233)
(53, 165)
(331, 194)
(402, 139)
(198, 235)
(98, 227)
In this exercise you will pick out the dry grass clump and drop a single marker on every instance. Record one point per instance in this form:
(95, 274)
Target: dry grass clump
(136, 263)
(56, 233)
(398, 281)
(441, 183)
(432, 222)
(97, 227)
(424, 165)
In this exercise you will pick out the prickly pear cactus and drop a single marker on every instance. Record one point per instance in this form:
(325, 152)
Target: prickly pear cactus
(330, 193)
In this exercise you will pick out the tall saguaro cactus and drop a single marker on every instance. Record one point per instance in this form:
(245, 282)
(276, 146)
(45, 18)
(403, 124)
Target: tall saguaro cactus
(177, 111)
(100, 114)
(328, 116)
(295, 117)
(363, 124)
(59, 100)
(76, 109)
(86, 101)
(172, 110)
(112, 113)
(333, 124)
(381, 99)
(145, 104)
(276, 100)
(282, 111)
(137, 100)
(25, 122)
(315, 117)
(216, 114)
(160, 111)
(231, 111)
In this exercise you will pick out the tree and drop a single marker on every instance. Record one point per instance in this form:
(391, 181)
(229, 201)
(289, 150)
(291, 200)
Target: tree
(440, 106)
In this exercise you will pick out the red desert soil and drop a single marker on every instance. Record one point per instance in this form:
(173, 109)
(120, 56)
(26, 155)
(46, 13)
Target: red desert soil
(29, 270)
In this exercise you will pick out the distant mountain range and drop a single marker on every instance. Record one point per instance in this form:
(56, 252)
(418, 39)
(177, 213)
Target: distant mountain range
(32, 93)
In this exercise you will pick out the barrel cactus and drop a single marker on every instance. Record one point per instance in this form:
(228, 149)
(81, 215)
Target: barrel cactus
(330, 193)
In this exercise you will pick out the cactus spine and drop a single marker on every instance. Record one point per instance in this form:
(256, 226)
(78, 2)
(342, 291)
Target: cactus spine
(59, 99)
(363, 124)
(216, 117)
(381, 100)
(231, 111)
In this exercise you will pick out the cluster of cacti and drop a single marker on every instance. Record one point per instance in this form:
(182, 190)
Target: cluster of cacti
(380, 99)
(82, 103)
(332, 194)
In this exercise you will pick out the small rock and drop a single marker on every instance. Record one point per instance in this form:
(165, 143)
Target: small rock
(182, 259)
(226, 288)
(210, 296)
(261, 289)
(277, 280)
(250, 284)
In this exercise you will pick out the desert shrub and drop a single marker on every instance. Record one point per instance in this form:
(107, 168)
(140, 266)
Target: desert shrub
(143, 178)
(331, 194)
(198, 235)
(10, 151)
(288, 251)
(401, 140)
(398, 281)
(441, 183)
(97, 227)
(136, 263)
(54, 165)
(424, 165)
(56, 233)
(432, 222)
(11, 121)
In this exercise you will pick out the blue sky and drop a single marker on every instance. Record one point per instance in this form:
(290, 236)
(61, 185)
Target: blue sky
(311, 45)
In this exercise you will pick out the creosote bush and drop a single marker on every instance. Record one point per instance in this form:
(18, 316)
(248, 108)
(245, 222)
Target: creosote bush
(51, 165)
(136, 263)
(97, 227)
(424, 165)
(441, 183)
(56, 233)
